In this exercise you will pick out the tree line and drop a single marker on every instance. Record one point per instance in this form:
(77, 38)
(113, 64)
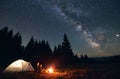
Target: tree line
(11, 49)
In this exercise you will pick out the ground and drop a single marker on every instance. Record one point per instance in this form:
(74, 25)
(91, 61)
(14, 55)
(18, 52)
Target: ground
(78, 71)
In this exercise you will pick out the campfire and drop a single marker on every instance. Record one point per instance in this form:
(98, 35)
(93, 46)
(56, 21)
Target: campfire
(50, 70)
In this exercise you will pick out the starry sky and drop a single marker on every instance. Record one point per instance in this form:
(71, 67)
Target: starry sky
(92, 26)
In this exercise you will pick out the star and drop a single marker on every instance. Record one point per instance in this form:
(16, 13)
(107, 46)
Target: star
(117, 35)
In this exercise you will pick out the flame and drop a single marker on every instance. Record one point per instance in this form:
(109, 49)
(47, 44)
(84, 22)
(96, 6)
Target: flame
(50, 70)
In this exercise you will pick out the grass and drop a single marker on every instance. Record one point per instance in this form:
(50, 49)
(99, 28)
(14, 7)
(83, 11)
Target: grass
(83, 71)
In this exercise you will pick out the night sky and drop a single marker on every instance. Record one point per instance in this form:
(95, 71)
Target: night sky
(92, 26)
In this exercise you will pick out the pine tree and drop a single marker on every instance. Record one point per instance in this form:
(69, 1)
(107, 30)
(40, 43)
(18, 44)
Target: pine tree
(66, 47)
(17, 46)
(10, 46)
(67, 53)
(29, 50)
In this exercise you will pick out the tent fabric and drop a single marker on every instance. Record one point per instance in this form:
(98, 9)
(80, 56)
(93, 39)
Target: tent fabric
(18, 66)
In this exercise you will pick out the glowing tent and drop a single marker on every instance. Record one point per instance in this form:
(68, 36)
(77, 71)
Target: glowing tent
(19, 66)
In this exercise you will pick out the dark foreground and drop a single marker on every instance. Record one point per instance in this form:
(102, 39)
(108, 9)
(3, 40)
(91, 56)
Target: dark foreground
(83, 71)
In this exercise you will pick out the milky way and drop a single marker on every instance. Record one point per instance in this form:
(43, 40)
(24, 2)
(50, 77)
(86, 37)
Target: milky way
(91, 25)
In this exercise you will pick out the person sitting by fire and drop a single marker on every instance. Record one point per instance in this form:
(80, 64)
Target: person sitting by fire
(39, 67)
